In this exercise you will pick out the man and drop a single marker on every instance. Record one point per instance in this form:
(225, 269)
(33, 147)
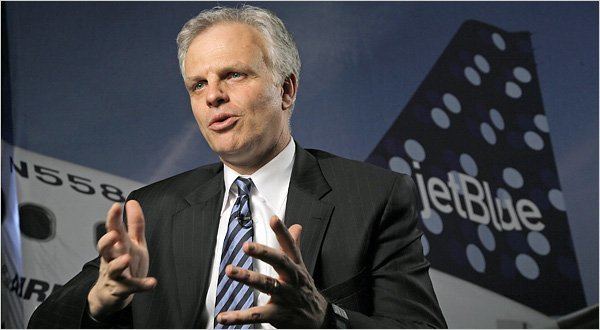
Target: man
(274, 235)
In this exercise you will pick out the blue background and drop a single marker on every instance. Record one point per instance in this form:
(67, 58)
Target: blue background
(98, 84)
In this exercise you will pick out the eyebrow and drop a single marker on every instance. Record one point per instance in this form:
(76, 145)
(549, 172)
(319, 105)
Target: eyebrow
(229, 67)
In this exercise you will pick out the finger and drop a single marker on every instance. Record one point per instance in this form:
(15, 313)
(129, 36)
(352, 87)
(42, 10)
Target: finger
(114, 222)
(105, 244)
(113, 218)
(135, 221)
(256, 280)
(296, 232)
(283, 265)
(259, 314)
(117, 266)
(285, 239)
(128, 286)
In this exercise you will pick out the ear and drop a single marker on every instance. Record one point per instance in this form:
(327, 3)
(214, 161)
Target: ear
(288, 91)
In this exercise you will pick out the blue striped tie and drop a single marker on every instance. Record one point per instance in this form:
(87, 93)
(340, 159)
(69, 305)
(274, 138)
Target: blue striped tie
(232, 295)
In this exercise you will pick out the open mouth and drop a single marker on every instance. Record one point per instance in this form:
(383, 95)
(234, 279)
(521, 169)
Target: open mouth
(222, 122)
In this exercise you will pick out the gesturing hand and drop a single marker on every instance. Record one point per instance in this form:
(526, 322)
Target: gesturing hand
(295, 301)
(123, 262)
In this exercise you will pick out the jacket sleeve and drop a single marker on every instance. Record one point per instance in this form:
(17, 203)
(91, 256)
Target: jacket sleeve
(67, 307)
(402, 292)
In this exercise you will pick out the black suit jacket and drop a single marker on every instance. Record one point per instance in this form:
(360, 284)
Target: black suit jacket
(360, 242)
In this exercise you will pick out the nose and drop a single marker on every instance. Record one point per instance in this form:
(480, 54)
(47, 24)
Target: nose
(216, 95)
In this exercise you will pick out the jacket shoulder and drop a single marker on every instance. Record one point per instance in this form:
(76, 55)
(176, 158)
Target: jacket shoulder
(174, 189)
(336, 168)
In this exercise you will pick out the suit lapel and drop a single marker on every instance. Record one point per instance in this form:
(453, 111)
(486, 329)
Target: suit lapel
(194, 234)
(304, 205)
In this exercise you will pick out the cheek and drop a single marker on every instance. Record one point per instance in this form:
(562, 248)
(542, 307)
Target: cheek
(198, 112)
(267, 106)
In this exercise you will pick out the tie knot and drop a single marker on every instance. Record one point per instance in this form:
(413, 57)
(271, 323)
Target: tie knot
(243, 186)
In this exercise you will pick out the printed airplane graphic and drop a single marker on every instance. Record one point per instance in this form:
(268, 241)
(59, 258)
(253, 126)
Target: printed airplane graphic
(476, 141)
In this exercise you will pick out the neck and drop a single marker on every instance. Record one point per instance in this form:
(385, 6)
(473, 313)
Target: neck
(254, 165)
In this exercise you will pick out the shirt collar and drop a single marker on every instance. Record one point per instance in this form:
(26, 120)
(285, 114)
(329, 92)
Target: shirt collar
(270, 181)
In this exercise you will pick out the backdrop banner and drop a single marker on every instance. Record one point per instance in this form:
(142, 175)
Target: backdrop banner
(476, 141)
(53, 214)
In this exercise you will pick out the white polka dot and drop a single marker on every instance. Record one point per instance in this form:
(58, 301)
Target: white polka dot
(481, 63)
(556, 199)
(541, 123)
(527, 266)
(533, 140)
(476, 258)
(472, 76)
(425, 243)
(415, 150)
(488, 133)
(440, 118)
(498, 41)
(513, 90)
(397, 164)
(497, 119)
(538, 243)
(468, 164)
(512, 177)
(486, 237)
(522, 74)
(434, 223)
(503, 195)
(451, 103)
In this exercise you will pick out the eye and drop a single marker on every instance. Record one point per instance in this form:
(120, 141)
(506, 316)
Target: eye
(199, 85)
(235, 75)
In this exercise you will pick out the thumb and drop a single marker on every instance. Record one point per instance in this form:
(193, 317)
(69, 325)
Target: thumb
(135, 221)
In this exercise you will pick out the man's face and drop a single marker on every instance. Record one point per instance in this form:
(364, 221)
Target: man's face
(234, 97)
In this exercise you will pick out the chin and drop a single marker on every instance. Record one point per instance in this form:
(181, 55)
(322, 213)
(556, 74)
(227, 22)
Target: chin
(230, 149)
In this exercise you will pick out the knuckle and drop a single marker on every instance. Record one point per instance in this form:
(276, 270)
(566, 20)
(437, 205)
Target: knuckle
(269, 283)
(240, 272)
(260, 250)
(234, 318)
(113, 290)
(287, 261)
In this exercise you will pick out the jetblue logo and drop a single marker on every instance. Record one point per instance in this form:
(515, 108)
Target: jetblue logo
(472, 199)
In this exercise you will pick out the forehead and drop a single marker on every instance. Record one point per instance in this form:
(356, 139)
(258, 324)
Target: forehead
(223, 44)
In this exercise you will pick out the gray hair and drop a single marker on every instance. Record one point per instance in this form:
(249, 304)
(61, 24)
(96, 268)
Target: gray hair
(281, 48)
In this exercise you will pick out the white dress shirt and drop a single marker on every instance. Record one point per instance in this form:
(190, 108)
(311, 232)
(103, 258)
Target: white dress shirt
(268, 197)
